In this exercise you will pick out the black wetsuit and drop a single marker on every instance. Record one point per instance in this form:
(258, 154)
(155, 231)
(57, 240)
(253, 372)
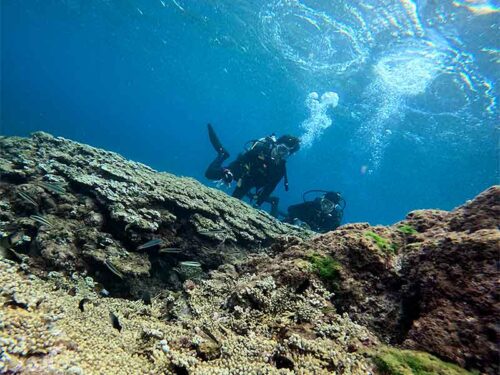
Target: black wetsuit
(311, 214)
(252, 169)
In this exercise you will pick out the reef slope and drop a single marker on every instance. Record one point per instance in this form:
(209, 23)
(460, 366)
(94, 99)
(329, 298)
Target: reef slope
(100, 208)
(270, 299)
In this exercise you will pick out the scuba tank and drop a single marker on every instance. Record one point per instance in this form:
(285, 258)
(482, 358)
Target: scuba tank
(265, 146)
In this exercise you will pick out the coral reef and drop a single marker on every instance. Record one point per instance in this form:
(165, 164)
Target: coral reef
(107, 266)
(226, 323)
(437, 292)
(81, 208)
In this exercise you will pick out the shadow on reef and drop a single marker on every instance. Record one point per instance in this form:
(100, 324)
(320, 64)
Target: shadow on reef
(229, 286)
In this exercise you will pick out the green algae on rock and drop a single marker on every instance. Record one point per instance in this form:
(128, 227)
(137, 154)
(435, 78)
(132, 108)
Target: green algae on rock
(407, 229)
(391, 361)
(437, 294)
(382, 243)
(326, 268)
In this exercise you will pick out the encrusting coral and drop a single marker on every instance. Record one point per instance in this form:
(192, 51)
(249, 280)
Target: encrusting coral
(239, 325)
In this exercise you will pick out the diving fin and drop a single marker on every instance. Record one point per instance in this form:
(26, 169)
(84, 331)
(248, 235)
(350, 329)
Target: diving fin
(214, 140)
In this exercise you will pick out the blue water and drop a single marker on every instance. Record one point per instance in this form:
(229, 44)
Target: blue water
(415, 125)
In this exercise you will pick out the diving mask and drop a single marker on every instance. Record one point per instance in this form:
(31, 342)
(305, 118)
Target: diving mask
(327, 206)
(280, 152)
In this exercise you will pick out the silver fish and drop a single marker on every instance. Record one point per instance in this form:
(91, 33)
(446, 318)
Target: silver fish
(41, 220)
(190, 264)
(149, 244)
(26, 197)
(170, 250)
(113, 269)
(211, 231)
(54, 187)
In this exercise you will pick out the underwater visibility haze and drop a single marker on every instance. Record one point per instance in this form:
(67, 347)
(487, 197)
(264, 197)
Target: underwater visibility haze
(395, 100)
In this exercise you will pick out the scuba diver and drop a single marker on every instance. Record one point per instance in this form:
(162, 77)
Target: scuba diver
(322, 214)
(261, 166)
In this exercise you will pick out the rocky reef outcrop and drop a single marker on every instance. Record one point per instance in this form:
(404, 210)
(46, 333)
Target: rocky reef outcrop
(429, 282)
(107, 266)
(73, 207)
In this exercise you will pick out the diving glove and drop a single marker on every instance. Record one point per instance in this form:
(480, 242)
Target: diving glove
(227, 176)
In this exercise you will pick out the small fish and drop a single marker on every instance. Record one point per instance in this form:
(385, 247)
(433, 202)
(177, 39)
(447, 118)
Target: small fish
(26, 197)
(39, 302)
(81, 304)
(152, 243)
(163, 3)
(41, 220)
(146, 298)
(113, 269)
(140, 12)
(113, 319)
(210, 334)
(54, 187)
(170, 250)
(211, 231)
(190, 264)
